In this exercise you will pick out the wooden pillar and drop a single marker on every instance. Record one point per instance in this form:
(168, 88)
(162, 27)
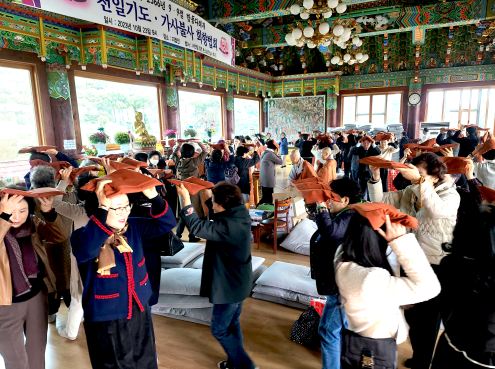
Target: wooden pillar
(413, 121)
(173, 114)
(229, 114)
(332, 118)
(61, 108)
(264, 116)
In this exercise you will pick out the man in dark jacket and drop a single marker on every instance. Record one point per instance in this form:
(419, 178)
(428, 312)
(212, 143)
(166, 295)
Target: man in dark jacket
(446, 138)
(243, 162)
(404, 140)
(332, 226)
(367, 149)
(468, 143)
(227, 270)
(45, 156)
(305, 146)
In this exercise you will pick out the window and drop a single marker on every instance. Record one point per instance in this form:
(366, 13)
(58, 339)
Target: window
(246, 116)
(111, 105)
(379, 109)
(17, 112)
(200, 111)
(465, 106)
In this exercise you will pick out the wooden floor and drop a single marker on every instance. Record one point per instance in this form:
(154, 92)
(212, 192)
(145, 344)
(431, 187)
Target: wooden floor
(182, 345)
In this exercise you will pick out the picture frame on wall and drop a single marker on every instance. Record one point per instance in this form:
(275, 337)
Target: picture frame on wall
(291, 115)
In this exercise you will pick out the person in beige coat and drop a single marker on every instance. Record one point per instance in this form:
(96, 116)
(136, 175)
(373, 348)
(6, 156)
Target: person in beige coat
(434, 202)
(26, 278)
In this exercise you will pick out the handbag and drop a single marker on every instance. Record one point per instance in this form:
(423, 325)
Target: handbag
(305, 329)
(172, 245)
(365, 352)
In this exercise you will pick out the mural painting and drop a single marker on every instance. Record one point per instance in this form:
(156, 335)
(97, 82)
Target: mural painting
(296, 114)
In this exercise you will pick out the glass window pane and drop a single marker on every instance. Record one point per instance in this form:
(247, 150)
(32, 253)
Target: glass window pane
(474, 99)
(363, 119)
(466, 97)
(482, 112)
(393, 108)
(465, 117)
(473, 117)
(435, 104)
(378, 119)
(247, 117)
(490, 119)
(111, 105)
(200, 111)
(349, 115)
(451, 114)
(17, 113)
(363, 104)
(378, 104)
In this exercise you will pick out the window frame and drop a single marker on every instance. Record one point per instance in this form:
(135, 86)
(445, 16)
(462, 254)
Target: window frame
(205, 92)
(36, 93)
(370, 114)
(130, 81)
(260, 107)
(459, 111)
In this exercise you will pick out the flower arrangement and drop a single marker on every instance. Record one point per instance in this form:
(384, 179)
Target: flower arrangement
(122, 138)
(190, 132)
(99, 137)
(170, 133)
(210, 130)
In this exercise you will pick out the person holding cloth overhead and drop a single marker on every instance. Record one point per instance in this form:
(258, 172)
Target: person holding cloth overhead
(227, 270)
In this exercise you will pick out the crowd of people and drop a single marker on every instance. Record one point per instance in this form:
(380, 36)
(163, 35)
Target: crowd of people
(397, 244)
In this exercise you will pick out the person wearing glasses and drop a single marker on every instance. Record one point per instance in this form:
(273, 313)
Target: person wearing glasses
(109, 252)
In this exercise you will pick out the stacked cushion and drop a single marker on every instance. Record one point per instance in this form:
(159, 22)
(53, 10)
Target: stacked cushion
(298, 239)
(189, 253)
(286, 284)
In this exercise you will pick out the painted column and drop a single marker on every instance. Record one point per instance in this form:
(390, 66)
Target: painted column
(331, 108)
(173, 115)
(61, 108)
(229, 117)
(264, 115)
(412, 128)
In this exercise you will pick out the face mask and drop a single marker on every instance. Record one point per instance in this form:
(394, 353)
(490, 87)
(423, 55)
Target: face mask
(154, 162)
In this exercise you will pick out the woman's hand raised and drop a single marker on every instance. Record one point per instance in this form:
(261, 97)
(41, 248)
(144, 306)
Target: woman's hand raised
(9, 202)
(393, 230)
(100, 193)
(46, 204)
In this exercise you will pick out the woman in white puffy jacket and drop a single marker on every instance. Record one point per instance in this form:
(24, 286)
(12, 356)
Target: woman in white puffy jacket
(369, 281)
(434, 202)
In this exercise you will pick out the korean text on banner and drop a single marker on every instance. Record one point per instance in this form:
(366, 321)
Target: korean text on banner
(161, 19)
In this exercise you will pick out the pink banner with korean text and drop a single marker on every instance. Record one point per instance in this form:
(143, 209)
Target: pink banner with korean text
(160, 19)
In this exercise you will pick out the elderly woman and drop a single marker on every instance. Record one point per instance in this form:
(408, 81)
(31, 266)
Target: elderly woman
(23, 294)
(434, 202)
(109, 252)
(43, 176)
(268, 172)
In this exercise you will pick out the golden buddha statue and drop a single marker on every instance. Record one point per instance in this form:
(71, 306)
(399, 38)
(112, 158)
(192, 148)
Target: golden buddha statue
(142, 138)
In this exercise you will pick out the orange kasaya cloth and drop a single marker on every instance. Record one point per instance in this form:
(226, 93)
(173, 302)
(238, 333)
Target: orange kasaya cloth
(328, 171)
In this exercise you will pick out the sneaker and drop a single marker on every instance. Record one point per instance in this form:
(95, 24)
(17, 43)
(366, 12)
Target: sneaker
(62, 331)
(224, 365)
(194, 239)
(52, 318)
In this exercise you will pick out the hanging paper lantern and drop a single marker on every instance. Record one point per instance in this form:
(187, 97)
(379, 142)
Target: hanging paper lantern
(338, 30)
(296, 33)
(304, 15)
(324, 28)
(341, 8)
(309, 31)
(333, 3)
(327, 14)
(295, 9)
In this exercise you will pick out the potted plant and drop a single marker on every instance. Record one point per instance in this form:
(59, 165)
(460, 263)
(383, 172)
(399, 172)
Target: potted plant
(99, 140)
(169, 133)
(123, 139)
(190, 132)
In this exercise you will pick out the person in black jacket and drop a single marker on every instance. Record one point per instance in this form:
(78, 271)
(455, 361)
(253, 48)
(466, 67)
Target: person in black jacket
(404, 140)
(243, 163)
(227, 271)
(446, 138)
(467, 297)
(367, 149)
(468, 143)
(332, 225)
(305, 146)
